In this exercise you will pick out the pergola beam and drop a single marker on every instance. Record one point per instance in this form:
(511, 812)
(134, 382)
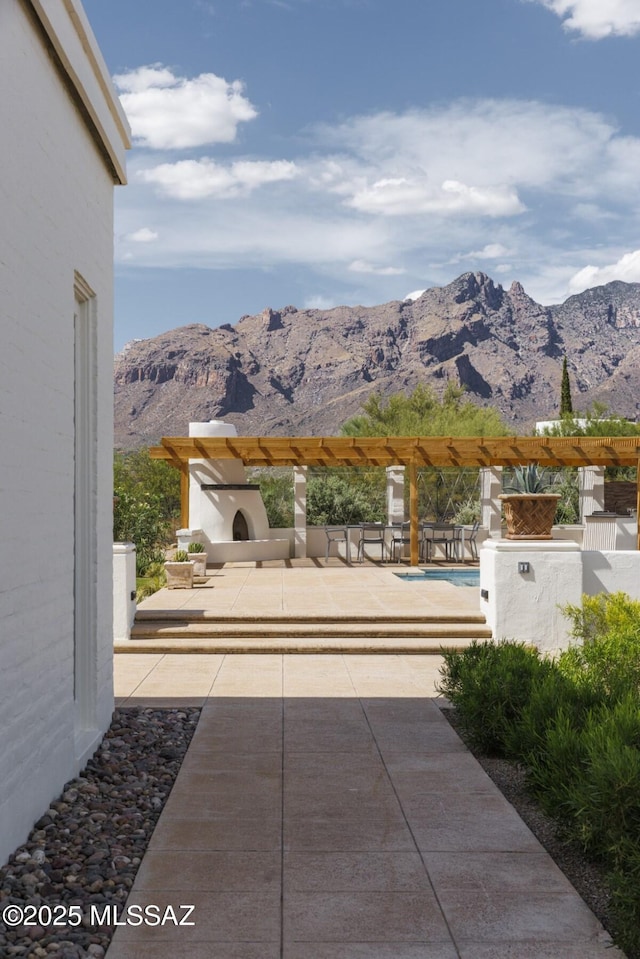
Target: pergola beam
(410, 451)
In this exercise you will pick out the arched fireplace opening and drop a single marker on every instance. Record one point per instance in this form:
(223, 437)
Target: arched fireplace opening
(240, 527)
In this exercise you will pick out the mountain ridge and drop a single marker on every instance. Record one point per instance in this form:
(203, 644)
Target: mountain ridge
(304, 372)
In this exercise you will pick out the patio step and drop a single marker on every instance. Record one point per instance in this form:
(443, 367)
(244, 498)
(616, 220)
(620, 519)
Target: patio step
(398, 645)
(201, 631)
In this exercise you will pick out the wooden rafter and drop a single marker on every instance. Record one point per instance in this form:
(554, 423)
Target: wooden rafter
(404, 451)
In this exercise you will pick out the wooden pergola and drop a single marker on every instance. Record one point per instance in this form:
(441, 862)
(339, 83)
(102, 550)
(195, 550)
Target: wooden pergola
(409, 451)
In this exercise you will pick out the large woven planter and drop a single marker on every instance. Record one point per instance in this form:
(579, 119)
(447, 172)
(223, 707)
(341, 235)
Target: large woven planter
(529, 515)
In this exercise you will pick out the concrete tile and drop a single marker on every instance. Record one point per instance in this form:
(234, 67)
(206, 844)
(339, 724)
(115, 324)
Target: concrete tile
(232, 832)
(378, 833)
(202, 758)
(216, 871)
(458, 773)
(496, 874)
(317, 735)
(354, 871)
(363, 916)
(119, 949)
(532, 916)
(218, 917)
(415, 737)
(368, 950)
(492, 826)
(595, 949)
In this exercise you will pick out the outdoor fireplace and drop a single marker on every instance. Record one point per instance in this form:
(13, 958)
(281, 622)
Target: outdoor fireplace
(226, 513)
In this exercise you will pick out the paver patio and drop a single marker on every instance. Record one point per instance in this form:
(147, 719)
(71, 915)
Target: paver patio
(327, 810)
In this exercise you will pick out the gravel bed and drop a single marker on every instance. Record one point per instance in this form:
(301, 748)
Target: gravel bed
(588, 878)
(86, 849)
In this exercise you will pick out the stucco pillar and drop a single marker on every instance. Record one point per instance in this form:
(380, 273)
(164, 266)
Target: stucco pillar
(395, 494)
(491, 507)
(300, 512)
(523, 587)
(591, 482)
(124, 589)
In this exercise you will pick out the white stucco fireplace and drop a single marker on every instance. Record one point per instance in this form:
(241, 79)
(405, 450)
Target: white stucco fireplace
(226, 512)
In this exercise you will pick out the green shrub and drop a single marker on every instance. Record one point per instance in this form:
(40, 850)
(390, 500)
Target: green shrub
(608, 657)
(575, 724)
(196, 548)
(333, 500)
(181, 556)
(551, 692)
(489, 684)
(153, 580)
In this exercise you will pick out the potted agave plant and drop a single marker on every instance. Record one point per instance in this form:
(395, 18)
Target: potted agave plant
(529, 507)
(179, 571)
(198, 556)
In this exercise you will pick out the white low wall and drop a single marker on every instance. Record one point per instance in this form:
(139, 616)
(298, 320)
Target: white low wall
(124, 589)
(248, 550)
(611, 572)
(525, 604)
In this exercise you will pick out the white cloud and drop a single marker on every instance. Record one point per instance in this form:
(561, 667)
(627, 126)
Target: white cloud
(399, 196)
(167, 112)
(415, 295)
(627, 268)
(596, 19)
(319, 302)
(144, 235)
(491, 251)
(199, 179)
(367, 195)
(362, 266)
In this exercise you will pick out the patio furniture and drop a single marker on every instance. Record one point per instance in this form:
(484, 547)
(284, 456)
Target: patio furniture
(472, 540)
(444, 535)
(337, 534)
(371, 534)
(400, 537)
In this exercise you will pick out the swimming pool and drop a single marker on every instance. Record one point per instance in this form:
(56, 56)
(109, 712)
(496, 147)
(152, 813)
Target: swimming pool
(459, 577)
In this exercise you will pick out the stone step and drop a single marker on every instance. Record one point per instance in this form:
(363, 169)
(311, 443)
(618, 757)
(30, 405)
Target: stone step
(184, 616)
(397, 645)
(295, 630)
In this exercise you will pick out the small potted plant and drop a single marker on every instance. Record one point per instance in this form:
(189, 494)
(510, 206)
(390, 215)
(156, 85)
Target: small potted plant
(529, 507)
(198, 556)
(179, 571)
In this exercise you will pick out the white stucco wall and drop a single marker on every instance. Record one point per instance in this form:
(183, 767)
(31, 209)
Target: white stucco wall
(56, 196)
(525, 605)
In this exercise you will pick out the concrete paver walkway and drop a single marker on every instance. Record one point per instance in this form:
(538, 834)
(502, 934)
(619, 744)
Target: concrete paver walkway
(327, 810)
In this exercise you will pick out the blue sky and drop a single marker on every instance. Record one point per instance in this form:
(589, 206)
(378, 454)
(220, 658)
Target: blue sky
(321, 152)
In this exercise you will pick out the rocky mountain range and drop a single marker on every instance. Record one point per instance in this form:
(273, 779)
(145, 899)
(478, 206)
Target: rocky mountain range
(304, 372)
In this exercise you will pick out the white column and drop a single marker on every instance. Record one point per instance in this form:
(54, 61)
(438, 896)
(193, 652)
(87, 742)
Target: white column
(591, 482)
(490, 490)
(300, 512)
(395, 494)
(124, 589)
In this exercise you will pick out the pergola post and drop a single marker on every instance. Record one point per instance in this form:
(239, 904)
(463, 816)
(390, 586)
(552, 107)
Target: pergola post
(591, 484)
(300, 512)
(638, 503)
(413, 514)
(395, 494)
(184, 494)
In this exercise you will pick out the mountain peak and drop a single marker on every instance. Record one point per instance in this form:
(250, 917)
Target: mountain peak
(271, 376)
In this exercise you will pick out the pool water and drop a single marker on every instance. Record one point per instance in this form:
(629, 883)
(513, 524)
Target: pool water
(459, 577)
